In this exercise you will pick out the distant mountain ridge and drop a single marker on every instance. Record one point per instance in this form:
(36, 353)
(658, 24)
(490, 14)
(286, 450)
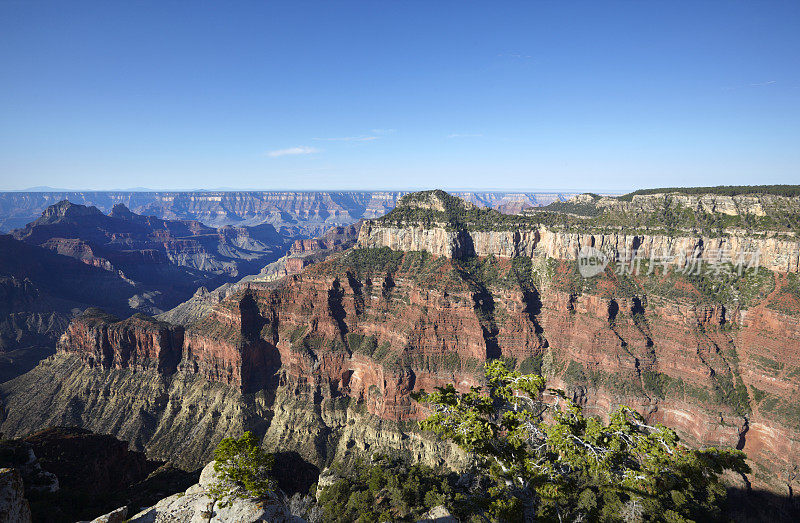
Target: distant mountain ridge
(75, 256)
(124, 240)
(306, 213)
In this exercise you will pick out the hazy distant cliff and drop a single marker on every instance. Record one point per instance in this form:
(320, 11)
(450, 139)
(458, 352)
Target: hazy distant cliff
(311, 212)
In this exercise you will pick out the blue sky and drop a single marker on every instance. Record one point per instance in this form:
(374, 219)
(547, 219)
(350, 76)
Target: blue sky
(373, 95)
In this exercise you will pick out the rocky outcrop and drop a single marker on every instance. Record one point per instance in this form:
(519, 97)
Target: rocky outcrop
(119, 515)
(72, 474)
(199, 305)
(769, 253)
(199, 504)
(139, 342)
(334, 240)
(13, 505)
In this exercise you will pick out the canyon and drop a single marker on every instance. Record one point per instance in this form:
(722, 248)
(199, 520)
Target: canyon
(323, 362)
(306, 213)
(73, 257)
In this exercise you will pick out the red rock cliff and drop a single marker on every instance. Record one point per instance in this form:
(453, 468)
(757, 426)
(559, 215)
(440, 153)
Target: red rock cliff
(375, 325)
(139, 342)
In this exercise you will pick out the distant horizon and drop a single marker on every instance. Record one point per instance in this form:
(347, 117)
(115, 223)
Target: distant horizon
(46, 189)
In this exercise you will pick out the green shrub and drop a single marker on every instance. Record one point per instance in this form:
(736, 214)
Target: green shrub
(243, 469)
(388, 489)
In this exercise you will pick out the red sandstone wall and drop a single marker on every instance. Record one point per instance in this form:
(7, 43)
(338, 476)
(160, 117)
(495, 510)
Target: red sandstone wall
(428, 335)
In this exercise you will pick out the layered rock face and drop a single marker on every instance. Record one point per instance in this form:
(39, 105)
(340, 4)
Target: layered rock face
(371, 330)
(73, 257)
(40, 291)
(772, 253)
(139, 342)
(308, 213)
(736, 205)
(326, 362)
(302, 253)
(335, 239)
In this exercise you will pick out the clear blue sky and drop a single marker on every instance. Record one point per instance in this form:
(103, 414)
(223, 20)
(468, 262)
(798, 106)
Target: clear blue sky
(341, 95)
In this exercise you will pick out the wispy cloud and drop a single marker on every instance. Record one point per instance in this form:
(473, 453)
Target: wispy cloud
(293, 151)
(464, 135)
(748, 86)
(374, 134)
(363, 138)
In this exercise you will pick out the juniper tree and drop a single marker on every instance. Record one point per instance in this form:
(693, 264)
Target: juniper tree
(243, 469)
(550, 462)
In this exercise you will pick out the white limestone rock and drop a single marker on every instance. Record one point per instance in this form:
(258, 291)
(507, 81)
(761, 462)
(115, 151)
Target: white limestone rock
(197, 506)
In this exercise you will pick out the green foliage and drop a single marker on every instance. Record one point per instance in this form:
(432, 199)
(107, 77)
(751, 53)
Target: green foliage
(375, 260)
(575, 467)
(243, 469)
(298, 333)
(382, 352)
(417, 208)
(574, 373)
(758, 394)
(660, 384)
(724, 190)
(532, 364)
(387, 489)
(361, 344)
(726, 286)
(439, 209)
(581, 209)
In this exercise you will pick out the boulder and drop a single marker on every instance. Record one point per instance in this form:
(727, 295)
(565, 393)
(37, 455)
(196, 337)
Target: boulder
(197, 506)
(115, 516)
(438, 514)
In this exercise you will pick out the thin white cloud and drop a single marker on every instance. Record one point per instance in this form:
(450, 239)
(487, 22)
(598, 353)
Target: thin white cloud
(753, 85)
(292, 151)
(463, 135)
(374, 134)
(349, 139)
